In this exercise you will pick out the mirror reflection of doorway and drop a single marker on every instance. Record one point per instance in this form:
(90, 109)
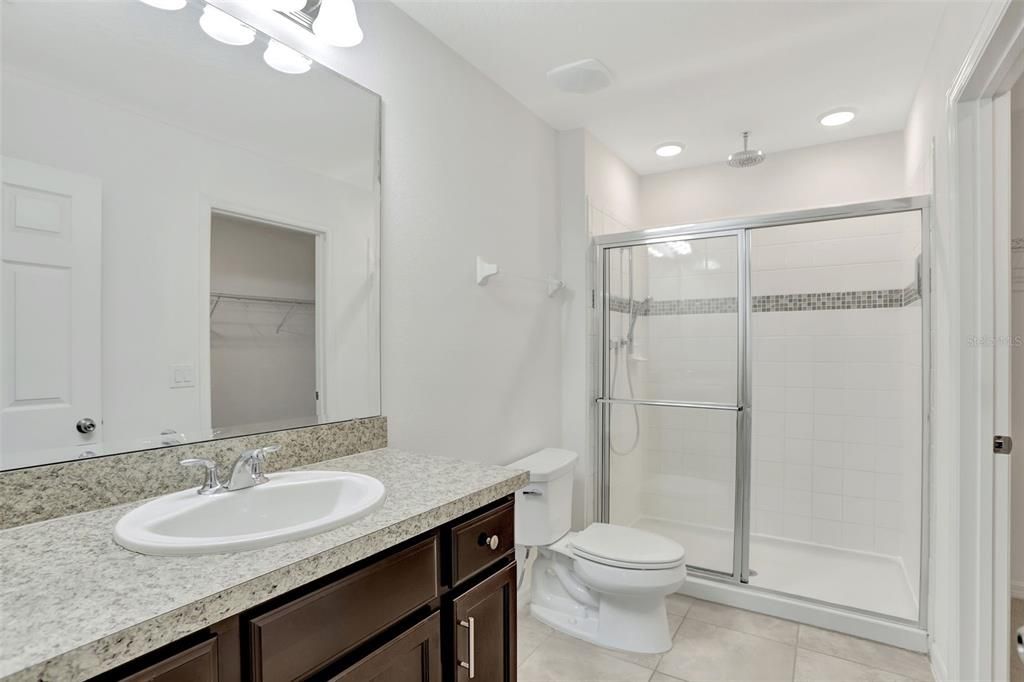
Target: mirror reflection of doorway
(263, 360)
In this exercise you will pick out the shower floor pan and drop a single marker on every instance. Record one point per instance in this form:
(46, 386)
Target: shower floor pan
(861, 580)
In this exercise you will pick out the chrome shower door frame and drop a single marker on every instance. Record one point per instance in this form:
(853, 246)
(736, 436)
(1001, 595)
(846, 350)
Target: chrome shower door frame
(742, 228)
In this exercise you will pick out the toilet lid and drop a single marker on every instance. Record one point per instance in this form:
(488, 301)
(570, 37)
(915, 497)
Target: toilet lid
(624, 547)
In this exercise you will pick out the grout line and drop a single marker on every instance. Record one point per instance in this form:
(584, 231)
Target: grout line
(744, 632)
(859, 662)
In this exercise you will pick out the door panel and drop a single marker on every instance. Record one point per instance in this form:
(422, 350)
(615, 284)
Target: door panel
(50, 303)
(485, 630)
(413, 656)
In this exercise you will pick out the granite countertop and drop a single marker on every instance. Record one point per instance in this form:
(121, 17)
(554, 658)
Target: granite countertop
(73, 603)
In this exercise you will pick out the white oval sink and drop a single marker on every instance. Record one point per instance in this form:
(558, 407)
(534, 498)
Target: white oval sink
(289, 506)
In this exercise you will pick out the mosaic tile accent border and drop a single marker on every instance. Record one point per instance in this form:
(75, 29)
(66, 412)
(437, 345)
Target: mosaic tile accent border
(775, 303)
(829, 300)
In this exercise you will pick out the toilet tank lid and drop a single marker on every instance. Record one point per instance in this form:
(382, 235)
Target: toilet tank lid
(547, 464)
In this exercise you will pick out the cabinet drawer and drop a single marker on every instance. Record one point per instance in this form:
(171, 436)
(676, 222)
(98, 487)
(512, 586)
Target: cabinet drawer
(195, 664)
(413, 656)
(301, 637)
(479, 542)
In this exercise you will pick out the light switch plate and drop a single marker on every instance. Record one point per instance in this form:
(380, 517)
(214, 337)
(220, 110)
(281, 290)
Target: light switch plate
(183, 376)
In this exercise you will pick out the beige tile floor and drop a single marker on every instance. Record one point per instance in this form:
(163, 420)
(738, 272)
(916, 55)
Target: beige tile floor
(714, 643)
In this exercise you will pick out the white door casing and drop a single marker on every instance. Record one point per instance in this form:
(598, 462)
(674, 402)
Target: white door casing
(979, 116)
(50, 322)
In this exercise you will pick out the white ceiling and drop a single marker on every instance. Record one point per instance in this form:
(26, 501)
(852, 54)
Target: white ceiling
(699, 72)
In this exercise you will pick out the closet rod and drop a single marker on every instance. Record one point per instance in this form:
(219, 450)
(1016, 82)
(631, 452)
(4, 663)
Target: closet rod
(263, 299)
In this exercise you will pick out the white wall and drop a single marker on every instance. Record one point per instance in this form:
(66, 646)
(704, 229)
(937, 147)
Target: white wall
(927, 167)
(862, 169)
(468, 371)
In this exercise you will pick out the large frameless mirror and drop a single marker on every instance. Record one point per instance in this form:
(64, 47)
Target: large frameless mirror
(190, 233)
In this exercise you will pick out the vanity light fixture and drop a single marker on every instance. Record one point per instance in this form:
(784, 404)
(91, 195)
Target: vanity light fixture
(669, 149)
(284, 59)
(838, 117)
(166, 4)
(286, 5)
(225, 28)
(337, 24)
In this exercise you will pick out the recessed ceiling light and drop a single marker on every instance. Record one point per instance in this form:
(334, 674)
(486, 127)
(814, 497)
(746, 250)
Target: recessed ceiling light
(225, 28)
(285, 59)
(166, 4)
(837, 118)
(669, 149)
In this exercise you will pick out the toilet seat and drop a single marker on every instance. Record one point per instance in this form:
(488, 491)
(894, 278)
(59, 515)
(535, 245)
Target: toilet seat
(629, 548)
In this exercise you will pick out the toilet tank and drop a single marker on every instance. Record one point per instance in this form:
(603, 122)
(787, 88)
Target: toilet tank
(544, 506)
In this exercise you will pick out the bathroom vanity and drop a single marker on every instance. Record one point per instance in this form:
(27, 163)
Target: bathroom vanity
(421, 588)
(440, 606)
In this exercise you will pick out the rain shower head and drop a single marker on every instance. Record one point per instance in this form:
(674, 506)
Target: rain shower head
(747, 157)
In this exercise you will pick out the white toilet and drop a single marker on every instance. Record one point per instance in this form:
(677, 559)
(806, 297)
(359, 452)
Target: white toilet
(606, 584)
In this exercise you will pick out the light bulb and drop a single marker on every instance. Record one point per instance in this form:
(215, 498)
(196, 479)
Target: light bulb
(837, 118)
(285, 59)
(286, 5)
(337, 23)
(166, 4)
(225, 28)
(669, 149)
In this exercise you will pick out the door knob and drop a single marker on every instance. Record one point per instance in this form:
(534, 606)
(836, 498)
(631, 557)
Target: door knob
(86, 425)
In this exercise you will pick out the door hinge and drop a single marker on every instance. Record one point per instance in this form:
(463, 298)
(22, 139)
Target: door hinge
(593, 298)
(1002, 445)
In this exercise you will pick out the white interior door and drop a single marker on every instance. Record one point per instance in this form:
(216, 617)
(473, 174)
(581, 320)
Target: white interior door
(50, 313)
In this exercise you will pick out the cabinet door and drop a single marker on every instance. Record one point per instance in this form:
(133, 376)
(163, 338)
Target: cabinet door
(413, 656)
(484, 620)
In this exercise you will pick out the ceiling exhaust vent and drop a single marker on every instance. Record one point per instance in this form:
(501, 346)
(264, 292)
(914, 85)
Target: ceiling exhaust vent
(581, 78)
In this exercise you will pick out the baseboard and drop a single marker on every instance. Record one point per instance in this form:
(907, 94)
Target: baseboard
(939, 670)
(1017, 589)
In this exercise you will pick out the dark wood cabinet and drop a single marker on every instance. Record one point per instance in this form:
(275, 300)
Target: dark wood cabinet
(424, 611)
(413, 656)
(197, 663)
(306, 634)
(484, 625)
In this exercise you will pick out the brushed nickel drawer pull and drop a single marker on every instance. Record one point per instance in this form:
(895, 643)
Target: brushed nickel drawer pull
(491, 541)
(471, 666)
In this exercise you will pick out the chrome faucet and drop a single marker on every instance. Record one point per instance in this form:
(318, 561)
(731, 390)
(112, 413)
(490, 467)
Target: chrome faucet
(246, 472)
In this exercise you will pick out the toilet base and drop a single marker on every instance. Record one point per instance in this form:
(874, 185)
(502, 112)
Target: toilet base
(634, 622)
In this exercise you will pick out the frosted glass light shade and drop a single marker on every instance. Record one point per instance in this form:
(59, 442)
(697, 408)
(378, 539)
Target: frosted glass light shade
(286, 5)
(166, 4)
(337, 24)
(225, 28)
(285, 59)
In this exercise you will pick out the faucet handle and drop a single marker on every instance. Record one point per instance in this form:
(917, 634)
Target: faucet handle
(211, 483)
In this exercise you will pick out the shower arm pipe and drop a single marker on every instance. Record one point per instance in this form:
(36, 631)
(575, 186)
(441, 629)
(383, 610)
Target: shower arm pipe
(673, 403)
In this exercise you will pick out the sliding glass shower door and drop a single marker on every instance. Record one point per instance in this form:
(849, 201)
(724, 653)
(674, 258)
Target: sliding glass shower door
(672, 393)
(762, 390)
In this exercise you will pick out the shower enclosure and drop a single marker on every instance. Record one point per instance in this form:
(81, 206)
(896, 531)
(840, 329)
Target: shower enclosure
(761, 389)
